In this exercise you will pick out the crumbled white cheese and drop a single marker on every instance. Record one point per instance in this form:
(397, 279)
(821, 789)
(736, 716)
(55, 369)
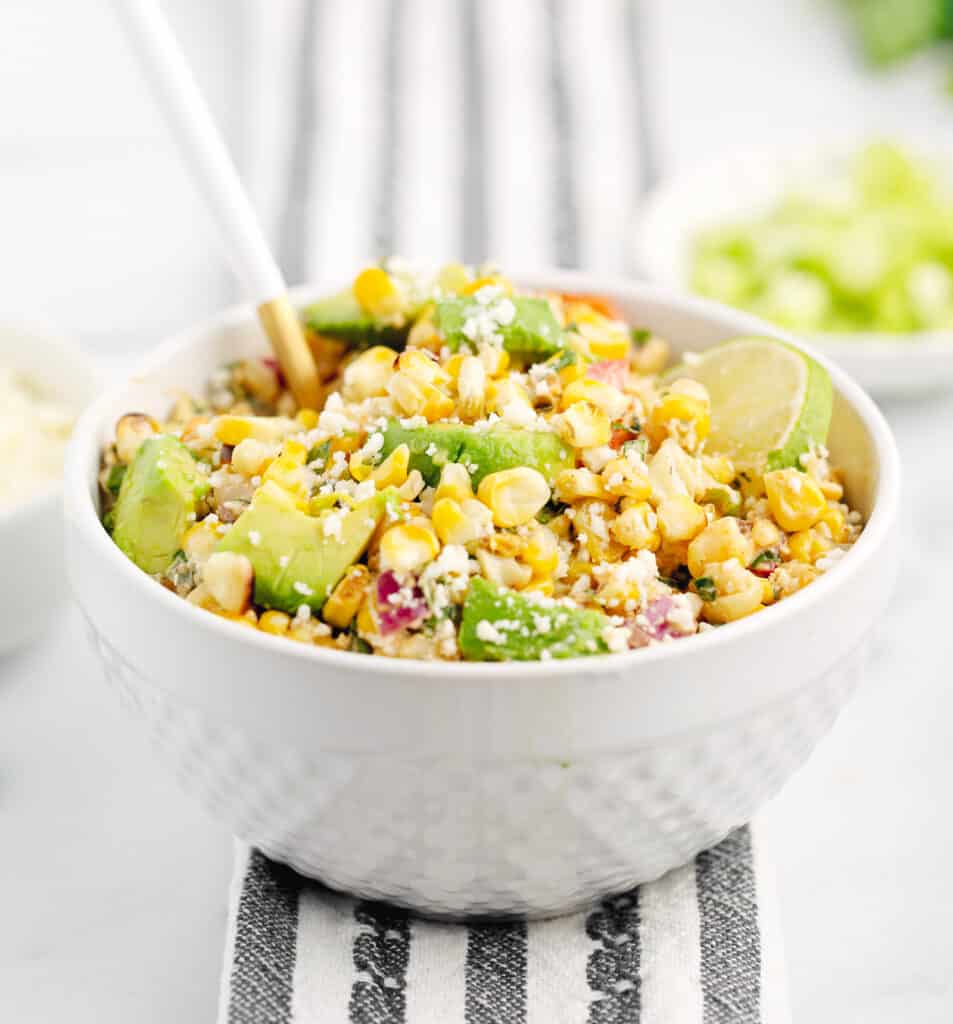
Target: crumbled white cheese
(254, 538)
(299, 587)
(488, 633)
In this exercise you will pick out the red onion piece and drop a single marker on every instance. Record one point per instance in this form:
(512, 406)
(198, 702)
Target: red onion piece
(393, 617)
(610, 371)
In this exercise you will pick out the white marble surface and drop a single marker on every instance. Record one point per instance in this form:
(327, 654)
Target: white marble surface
(112, 884)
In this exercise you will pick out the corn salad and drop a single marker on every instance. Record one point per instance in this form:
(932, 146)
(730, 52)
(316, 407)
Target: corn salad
(494, 475)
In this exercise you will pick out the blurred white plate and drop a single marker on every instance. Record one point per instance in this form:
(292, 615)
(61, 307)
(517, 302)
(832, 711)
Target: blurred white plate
(744, 184)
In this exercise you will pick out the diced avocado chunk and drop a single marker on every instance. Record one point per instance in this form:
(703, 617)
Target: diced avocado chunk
(299, 559)
(532, 333)
(500, 625)
(482, 451)
(156, 503)
(342, 317)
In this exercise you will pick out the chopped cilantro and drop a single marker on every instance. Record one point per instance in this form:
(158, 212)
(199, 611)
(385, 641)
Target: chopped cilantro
(706, 589)
(679, 579)
(550, 510)
(320, 453)
(640, 335)
(640, 445)
(565, 358)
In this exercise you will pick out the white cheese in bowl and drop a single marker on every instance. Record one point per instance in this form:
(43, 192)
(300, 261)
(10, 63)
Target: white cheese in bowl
(34, 429)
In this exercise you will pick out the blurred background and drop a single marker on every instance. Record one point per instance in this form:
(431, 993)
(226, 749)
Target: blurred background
(113, 887)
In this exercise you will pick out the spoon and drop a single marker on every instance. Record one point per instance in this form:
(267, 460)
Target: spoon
(217, 179)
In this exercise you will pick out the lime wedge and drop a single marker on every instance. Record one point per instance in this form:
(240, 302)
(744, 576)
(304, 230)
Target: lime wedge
(770, 403)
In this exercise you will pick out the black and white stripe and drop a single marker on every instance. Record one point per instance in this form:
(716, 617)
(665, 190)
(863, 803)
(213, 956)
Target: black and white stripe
(687, 949)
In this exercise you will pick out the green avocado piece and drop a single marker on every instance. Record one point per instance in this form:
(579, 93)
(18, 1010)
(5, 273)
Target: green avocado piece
(526, 627)
(533, 334)
(342, 317)
(297, 558)
(482, 451)
(156, 502)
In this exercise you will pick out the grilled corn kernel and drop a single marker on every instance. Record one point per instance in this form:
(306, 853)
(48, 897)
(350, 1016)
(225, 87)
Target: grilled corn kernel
(680, 518)
(765, 534)
(454, 277)
(544, 586)
(603, 396)
(251, 457)
(233, 429)
(359, 469)
(420, 367)
(273, 622)
(454, 483)
(201, 541)
(795, 499)
(509, 545)
(767, 592)
(346, 597)
(585, 426)
(417, 398)
(575, 484)
(807, 546)
(496, 361)
(574, 371)
(685, 402)
(410, 489)
(737, 592)
(719, 468)
(367, 618)
(831, 490)
(500, 393)
(408, 546)
(486, 281)
(308, 418)
(605, 339)
(131, 430)
(504, 572)
(622, 479)
(718, 542)
(228, 577)
(377, 292)
(392, 472)
(514, 496)
(651, 357)
(368, 374)
(452, 526)
(541, 551)
(294, 452)
(835, 521)
(471, 388)
(636, 526)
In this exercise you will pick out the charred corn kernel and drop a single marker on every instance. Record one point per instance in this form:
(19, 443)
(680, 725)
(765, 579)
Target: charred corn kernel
(514, 496)
(453, 364)
(637, 527)
(574, 371)
(835, 521)
(504, 572)
(454, 483)
(408, 546)
(377, 292)
(687, 402)
(232, 429)
(619, 596)
(347, 443)
(795, 499)
(228, 578)
(308, 418)
(202, 598)
(719, 468)
(575, 484)
(622, 479)
(273, 622)
(451, 523)
(651, 357)
(831, 490)
(496, 361)
(367, 618)
(680, 518)
(765, 534)
(416, 398)
(509, 545)
(346, 598)
(585, 426)
(541, 551)
(412, 486)
(368, 374)
(471, 388)
(131, 430)
(359, 469)
(603, 396)
(737, 592)
(422, 368)
(500, 393)
(288, 473)
(392, 472)
(544, 586)
(807, 546)
(251, 457)
(767, 592)
(605, 339)
(294, 452)
(201, 541)
(718, 542)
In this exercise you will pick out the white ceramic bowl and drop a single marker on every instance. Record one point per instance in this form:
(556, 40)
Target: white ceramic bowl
(744, 184)
(31, 533)
(484, 788)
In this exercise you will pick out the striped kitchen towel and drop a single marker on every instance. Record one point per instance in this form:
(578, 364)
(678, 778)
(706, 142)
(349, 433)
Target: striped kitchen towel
(699, 946)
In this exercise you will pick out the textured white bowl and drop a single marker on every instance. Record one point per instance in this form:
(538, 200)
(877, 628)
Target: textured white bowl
(31, 533)
(477, 788)
(744, 184)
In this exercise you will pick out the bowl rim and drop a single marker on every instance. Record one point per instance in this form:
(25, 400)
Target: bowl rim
(45, 333)
(83, 516)
(882, 344)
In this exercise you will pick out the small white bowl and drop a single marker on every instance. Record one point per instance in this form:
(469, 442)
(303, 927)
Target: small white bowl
(31, 533)
(484, 788)
(743, 184)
